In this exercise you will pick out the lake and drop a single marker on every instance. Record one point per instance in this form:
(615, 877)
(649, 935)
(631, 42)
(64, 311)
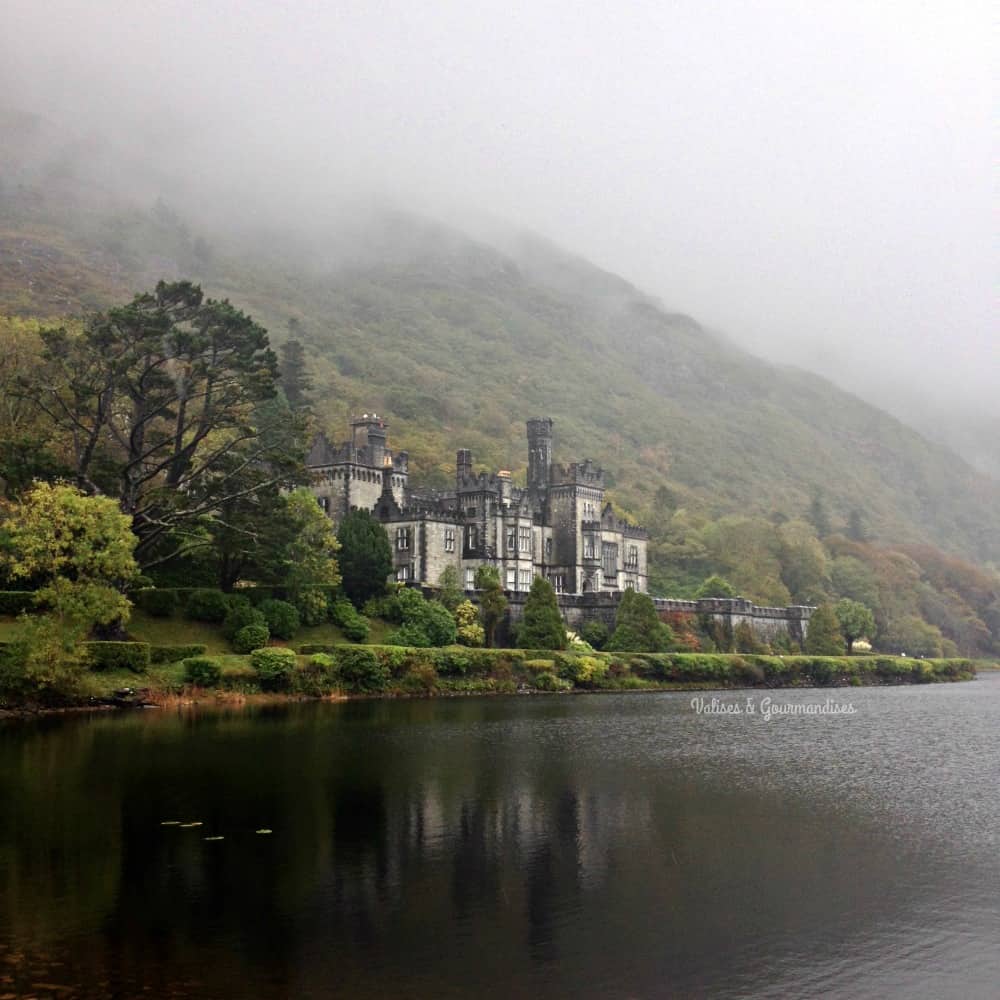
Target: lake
(537, 846)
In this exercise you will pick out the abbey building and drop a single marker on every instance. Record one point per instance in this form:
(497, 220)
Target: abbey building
(558, 526)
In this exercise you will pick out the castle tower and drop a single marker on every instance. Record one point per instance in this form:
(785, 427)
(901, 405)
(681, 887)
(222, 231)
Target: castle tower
(539, 452)
(369, 432)
(463, 466)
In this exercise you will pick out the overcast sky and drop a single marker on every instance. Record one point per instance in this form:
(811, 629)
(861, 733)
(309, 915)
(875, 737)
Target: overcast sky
(812, 178)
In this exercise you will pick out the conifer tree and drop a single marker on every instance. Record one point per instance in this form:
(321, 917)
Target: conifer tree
(638, 628)
(492, 600)
(294, 377)
(823, 637)
(542, 626)
(365, 556)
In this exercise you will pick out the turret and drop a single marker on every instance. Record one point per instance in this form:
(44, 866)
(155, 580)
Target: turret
(369, 432)
(539, 452)
(463, 465)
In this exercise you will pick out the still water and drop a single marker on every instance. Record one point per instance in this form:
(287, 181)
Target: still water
(594, 846)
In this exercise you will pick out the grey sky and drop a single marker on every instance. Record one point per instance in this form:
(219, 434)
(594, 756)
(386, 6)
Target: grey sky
(814, 179)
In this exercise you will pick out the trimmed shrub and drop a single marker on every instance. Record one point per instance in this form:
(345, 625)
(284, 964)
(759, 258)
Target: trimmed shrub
(173, 654)
(250, 637)
(347, 619)
(240, 614)
(14, 602)
(549, 682)
(132, 656)
(206, 606)
(156, 603)
(282, 618)
(318, 676)
(361, 670)
(595, 633)
(202, 671)
(313, 605)
(274, 667)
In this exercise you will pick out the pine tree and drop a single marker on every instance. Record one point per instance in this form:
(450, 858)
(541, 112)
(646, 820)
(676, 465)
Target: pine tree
(542, 626)
(365, 556)
(823, 637)
(492, 600)
(294, 377)
(819, 516)
(857, 530)
(638, 628)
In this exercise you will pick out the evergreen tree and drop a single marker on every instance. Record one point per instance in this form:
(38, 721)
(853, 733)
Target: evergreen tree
(638, 628)
(715, 586)
(823, 637)
(857, 530)
(294, 377)
(856, 621)
(450, 594)
(542, 626)
(365, 556)
(819, 515)
(492, 600)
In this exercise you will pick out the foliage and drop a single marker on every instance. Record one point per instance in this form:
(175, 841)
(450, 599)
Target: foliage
(347, 619)
(295, 381)
(823, 635)
(174, 654)
(365, 556)
(274, 666)
(43, 665)
(361, 670)
(80, 548)
(912, 636)
(310, 559)
(638, 627)
(250, 638)
(745, 639)
(202, 671)
(240, 614)
(206, 605)
(281, 617)
(450, 592)
(714, 586)
(542, 626)
(313, 605)
(468, 631)
(134, 656)
(492, 600)
(424, 623)
(14, 602)
(855, 620)
(155, 602)
(157, 396)
(595, 633)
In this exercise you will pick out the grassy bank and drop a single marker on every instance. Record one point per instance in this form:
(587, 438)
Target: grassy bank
(319, 668)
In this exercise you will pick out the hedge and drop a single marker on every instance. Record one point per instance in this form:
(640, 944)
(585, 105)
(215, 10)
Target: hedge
(274, 667)
(14, 602)
(202, 671)
(134, 656)
(173, 654)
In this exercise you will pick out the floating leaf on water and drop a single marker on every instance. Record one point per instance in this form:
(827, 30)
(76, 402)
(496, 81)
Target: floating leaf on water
(263, 831)
(215, 838)
(171, 822)
(187, 826)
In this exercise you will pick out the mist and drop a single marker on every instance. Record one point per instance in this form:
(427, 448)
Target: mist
(814, 184)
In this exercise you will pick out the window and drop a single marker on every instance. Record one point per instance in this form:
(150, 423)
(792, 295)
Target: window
(512, 579)
(631, 580)
(402, 539)
(588, 510)
(512, 539)
(404, 573)
(324, 503)
(588, 547)
(449, 539)
(524, 579)
(470, 511)
(470, 578)
(632, 559)
(609, 559)
(558, 581)
(548, 549)
(471, 536)
(524, 539)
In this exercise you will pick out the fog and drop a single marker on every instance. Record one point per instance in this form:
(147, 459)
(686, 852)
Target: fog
(813, 180)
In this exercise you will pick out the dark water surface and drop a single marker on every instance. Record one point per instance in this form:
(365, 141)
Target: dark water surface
(605, 846)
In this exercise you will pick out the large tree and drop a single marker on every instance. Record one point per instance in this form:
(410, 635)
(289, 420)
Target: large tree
(638, 628)
(295, 380)
(365, 556)
(158, 401)
(856, 621)
(542, 626)
(823, 635)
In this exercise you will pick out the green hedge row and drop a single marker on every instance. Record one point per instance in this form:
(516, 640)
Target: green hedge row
(173, 654)
(133, 656)
(13, 602)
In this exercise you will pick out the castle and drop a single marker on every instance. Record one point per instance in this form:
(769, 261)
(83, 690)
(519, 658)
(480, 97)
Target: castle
(558, 526)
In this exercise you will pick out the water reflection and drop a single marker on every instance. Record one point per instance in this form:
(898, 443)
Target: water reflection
(602, 846)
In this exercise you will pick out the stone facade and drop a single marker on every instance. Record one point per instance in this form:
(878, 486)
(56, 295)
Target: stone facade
(557, 526)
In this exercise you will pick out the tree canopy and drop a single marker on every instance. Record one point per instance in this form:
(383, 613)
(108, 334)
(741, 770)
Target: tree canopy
(638, 628)
(542, 626)
(365, 556)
